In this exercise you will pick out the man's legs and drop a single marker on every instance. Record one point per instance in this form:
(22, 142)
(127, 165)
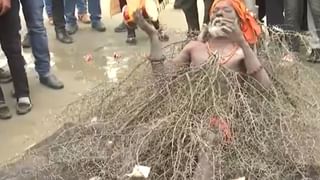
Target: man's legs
(59, 21)
(82, 7)
(71, 20)
(315, 10)
(190, 9)
(262, 9)
(274, 12)
(207, 6)
(293, 21)
(33, 13)
(48, 5)
(95, 15)
(122, 26)
(314, 28)
(11, 45)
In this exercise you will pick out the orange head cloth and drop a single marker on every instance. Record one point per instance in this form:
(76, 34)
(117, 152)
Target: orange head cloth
(249, 26)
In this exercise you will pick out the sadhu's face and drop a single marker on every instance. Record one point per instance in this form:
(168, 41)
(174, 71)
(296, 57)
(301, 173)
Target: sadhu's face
(223, 9)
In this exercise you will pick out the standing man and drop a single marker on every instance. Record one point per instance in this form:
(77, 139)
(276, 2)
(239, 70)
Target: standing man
(94, 7)
(33, 14)
(122, 26)
(59, 22)
(190, 10)
(55, 11)
(313, 24)
(11, 45)
(294, 22)
(274, 12)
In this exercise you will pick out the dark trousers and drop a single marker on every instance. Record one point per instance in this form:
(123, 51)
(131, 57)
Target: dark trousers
(122, 3)
(190, 10)
(262, 8)
(11, 45)
(58, 15)
(274, 12)
(295, 19)
(315, 11)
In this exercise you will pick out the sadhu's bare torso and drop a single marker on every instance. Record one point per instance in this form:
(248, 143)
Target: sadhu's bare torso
(197, 53)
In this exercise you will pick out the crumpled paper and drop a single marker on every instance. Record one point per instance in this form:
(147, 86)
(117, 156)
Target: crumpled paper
(139, 172)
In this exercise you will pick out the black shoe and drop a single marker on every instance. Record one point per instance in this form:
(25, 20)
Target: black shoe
(314, 56)
(131, 41)
(51, 81)
(5, 76)
(120, 28)
(26, 41)
(72, 28)
(64, 37)
(98, 26)
(4, 111)
(23, 108)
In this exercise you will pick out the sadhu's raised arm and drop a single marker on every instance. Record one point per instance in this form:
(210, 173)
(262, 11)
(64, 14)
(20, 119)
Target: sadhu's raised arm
(231, 31)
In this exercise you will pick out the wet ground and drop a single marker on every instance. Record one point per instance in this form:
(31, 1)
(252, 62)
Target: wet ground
(79, 76)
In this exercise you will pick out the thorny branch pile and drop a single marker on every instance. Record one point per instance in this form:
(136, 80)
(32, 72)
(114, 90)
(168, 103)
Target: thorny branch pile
(274, 133)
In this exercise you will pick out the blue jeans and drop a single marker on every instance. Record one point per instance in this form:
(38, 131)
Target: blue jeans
(48, 4)
(94, 10)
(81, 5)
(33, 14)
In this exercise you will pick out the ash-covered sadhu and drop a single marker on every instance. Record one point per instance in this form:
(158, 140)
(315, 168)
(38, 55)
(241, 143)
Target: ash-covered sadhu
(258, 134)
(231, 31)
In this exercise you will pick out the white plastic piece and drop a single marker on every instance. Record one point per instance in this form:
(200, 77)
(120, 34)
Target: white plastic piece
(140, 172)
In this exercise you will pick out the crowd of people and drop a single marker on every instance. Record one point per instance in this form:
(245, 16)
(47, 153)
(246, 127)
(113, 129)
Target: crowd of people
(288, 15)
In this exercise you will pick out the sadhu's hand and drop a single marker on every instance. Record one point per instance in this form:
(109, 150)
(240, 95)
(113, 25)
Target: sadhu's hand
(203, 34)
(143, 24)
(232, 29)
(5, 5)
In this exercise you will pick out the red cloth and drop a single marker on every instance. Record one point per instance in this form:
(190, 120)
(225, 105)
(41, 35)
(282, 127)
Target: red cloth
(249, 26)
(223, 126)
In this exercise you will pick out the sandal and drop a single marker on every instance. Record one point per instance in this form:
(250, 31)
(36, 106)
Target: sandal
(84, 18)
(23, 107)
(4, 111)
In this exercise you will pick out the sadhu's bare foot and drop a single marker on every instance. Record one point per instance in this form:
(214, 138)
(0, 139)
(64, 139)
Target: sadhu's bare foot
(143, 24)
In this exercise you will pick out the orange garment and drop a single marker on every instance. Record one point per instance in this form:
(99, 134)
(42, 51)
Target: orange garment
(131, 7)
(249, 26)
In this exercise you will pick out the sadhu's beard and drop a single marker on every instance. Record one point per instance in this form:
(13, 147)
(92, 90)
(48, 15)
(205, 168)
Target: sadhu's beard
(215, 28)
